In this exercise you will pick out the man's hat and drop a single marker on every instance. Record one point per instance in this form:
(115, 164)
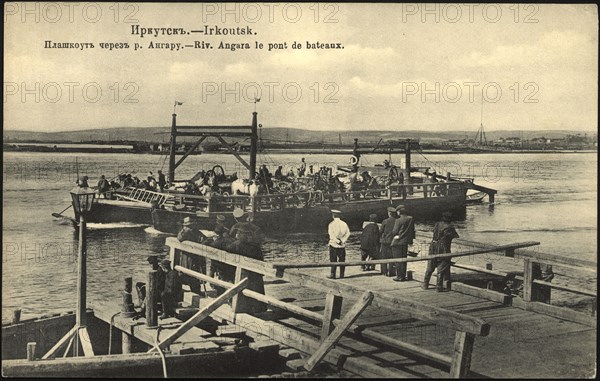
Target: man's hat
(187, 221)
(391, 209)
(220, 218)
(238, 212)
(373, 217)
(152, 259)
(335, 211)
(401, 208)
(220, 229)
(165, 262)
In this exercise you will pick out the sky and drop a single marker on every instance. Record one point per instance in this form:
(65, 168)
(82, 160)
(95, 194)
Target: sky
(433, 67)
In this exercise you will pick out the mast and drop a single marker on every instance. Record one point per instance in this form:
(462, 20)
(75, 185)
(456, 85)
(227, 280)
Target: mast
(253, 144)
(172, 150)
(407, 162)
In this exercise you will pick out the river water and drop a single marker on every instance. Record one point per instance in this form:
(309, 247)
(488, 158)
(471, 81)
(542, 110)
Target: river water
(551, 198)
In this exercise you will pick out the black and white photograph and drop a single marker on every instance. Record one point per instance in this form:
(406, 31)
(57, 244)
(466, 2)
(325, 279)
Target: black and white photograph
(299, 190)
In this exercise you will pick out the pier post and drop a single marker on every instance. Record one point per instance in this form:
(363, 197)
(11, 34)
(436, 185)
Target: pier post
(80, 317)
(31, 351)
(172, 150)
(151, 299)
(126, 343)
(333, 310)
(461, 358)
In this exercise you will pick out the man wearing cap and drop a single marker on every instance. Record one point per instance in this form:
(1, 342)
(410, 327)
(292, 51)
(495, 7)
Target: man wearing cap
(386, 231)
(369, 242)
(338, 235)
(162, 181)
(404, 233)
(83, 182)
(443, 234)
(170, 294)
(241, 220)
(218, 269)
(246, 246)
(190, 233)
(221, 222)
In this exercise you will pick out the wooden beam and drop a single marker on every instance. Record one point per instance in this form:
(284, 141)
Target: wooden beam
(216, 129)
(237, 155)
(576, 290)
(281, 265)
(562, 313)
(333, 311)
(189, 151)
(350, 317)
(86, 342)
(119, 364)
(202, 314)
(461, 358)
(60, 343)
(306, 344)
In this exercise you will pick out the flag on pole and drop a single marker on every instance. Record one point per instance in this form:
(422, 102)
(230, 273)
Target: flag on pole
(178, 103)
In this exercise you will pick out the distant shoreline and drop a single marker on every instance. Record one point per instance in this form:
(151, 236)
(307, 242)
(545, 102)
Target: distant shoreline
(16, 147)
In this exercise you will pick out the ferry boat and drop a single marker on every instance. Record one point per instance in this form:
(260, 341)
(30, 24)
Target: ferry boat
(303, 205)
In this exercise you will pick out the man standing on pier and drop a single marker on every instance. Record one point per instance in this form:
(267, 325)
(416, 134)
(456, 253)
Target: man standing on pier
(404, 233)
(369, 242)
(245, 220)
(386, 231)
(443, 234)
(338, 235)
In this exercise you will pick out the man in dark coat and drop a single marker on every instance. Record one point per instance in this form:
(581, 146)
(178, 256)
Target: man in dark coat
(246, 246)
(369, 242)
(243, 219)
(193, 262)
(162, 181)
(103, 186)
(404, 233)
(443, 234)
(386, 230)
(171, 293)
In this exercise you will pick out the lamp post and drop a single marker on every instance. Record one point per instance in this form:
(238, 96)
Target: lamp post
(82, 199)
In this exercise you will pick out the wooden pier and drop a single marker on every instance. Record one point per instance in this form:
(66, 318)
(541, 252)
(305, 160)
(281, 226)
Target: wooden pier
(371, 326)
(364, 324)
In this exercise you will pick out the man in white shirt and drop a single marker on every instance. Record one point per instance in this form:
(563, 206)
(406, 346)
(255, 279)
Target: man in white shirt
(338, 235)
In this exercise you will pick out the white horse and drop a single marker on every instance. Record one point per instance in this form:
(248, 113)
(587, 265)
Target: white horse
(249, 187)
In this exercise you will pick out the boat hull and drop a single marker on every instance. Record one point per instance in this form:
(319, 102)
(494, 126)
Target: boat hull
(316, 218)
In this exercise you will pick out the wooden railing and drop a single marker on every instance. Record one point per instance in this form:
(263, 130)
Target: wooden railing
(332, 325)
(143, 195)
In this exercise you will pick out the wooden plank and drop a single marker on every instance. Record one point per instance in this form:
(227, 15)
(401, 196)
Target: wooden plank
(60, 343)
(333, 310)
(123, 364)
(481, 293)
(202, 314)
(337, 333)
(461, 358)
(576, 290)
(306, 344)
(555, 311)
(287, 265)
(86, 342)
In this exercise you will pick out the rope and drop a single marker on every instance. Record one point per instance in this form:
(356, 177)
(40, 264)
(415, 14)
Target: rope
(112, 321)
(162, 355)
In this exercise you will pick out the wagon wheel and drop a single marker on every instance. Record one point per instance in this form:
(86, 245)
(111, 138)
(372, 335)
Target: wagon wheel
(218, 171)
(284, 187)
(208, 174)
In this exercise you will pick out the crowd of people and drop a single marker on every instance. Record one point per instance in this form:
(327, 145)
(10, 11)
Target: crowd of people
(391, 240)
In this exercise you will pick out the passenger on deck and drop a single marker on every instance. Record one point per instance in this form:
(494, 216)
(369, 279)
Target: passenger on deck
(221, 222)
(171, 293)
(246, 246)
(404, 233)
(242, 220)
(443, 234)
(369, 242)
(302, 169)
(386, 231)
(279, 173)
(338, 235)
(103, 186)
(83, 182)
(264, 176)
(162, 181)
